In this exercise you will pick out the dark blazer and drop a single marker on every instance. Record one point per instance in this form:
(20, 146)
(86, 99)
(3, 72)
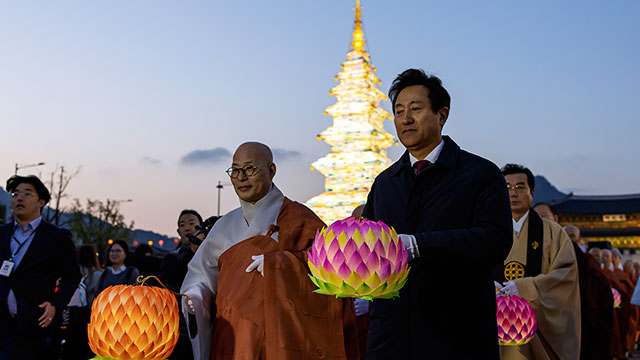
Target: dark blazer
(458, 209)
(51, 255)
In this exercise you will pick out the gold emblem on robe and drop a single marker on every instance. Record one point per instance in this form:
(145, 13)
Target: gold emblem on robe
(513, 270)
(534, 245)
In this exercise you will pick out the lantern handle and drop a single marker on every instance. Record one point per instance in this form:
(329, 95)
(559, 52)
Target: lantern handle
(142, 279)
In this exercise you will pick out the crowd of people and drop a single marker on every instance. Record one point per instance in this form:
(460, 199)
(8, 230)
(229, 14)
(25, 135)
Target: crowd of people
(469, 227)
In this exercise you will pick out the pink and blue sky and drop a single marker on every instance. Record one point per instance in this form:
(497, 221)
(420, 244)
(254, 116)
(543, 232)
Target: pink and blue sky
(151, 97)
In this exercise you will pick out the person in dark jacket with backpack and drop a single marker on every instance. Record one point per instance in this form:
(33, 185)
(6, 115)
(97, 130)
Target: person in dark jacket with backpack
(119, 270)
(451, 209)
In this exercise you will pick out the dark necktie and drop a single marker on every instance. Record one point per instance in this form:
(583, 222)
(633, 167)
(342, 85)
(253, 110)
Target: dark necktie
(421, 165)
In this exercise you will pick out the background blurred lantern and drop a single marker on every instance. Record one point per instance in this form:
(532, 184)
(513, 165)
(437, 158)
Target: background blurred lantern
(516, 320)
(617, 299)
(358, 258)
(134, 322)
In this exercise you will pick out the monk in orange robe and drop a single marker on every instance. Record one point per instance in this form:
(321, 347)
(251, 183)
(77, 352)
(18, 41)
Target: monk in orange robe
(253, 266)
(622, 318)
(596, 302)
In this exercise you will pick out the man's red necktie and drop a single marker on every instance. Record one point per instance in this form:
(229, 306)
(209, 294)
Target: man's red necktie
(421, 165)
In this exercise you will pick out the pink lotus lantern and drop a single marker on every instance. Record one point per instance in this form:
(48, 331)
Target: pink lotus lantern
(516, 320)
(617, 299)
(358, 258)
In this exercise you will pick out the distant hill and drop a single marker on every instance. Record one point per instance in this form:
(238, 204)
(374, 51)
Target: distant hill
(545, 191)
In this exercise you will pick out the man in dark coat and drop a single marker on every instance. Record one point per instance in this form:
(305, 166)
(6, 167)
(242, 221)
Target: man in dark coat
(34, 254)
(451, 209)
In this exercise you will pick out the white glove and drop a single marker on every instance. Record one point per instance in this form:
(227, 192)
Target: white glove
(258, 263)
(362, 306)
(498, 287)
(510, 289)
(409, 244)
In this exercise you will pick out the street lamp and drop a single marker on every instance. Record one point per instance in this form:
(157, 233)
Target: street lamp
(219, 187)
(25, 166)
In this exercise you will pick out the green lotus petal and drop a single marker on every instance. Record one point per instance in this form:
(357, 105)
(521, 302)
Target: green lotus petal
(315, 281)
(366, 297)
(332, 289)
(363, 289)
(321, 291)
(347, 290)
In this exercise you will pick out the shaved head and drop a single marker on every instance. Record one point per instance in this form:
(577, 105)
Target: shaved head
(258, 150)
(596, 253)
(573, 232)
(357, 212)
(606, 257)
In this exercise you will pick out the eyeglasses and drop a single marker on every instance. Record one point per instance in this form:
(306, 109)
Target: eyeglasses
(26, 194)
(517, 187)
(248, 171)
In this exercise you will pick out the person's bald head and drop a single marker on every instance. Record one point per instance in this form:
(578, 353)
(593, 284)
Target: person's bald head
(616, 257)
(252, 171)
(573, 232)
(258, 151)
(357, 212)
(544, 211)
(606, 257)
(628, 267)
(596, 253)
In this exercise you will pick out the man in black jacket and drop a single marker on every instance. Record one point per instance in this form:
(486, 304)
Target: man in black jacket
(451, 209)
(34, 254)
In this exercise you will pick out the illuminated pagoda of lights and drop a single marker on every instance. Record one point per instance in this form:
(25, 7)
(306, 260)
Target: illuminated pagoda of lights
(357, 138)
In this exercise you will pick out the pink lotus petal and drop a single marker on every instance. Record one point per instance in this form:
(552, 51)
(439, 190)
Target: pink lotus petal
(363, 271)
(351, 229)
(364, 250)
(385, 269)
(379, 248)
(354, 261)
(338, 259)
(326, 264)
(350, 248)
(375, 227)
(312, 259)
(333, 248)
(344, 272)
(392, 253)
(373, 261)
(321, 256)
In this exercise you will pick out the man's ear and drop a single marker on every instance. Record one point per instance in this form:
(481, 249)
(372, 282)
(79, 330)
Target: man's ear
(443, 115)
(272, 170)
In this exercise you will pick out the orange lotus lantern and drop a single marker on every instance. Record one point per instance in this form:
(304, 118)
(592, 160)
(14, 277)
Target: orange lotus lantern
(134, 322)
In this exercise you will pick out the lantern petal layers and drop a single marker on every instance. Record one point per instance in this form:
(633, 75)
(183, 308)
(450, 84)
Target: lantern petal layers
(617, 298)
(516, 320)
(358, 258)
(134, 323)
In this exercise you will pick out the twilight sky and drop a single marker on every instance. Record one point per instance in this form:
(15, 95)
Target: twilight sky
(152, 97)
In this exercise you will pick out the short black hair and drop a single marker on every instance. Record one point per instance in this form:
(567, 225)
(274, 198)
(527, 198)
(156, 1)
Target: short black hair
(123, 244)
(438, 95)
(511, 169)
(15, 180)
(192, 212)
